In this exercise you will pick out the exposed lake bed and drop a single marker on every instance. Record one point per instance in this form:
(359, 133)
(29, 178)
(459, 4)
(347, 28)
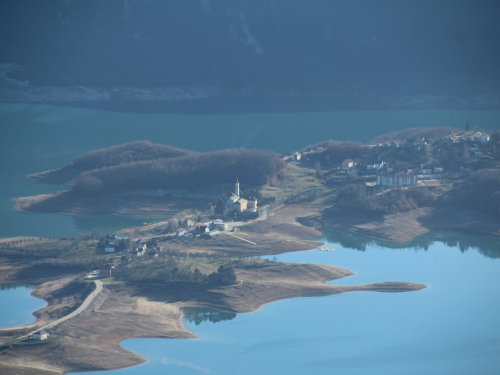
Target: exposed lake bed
(436, 330)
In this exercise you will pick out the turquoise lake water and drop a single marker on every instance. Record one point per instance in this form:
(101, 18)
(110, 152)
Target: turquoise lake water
(452, 327)
(17, 305)
(34, 138)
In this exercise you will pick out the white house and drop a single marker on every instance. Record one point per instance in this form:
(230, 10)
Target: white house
(376, 167)
(218, 225)
(438, 169)
(347, 164)
(397, 179)
(40, 335)
(296, 156)
(180, 232)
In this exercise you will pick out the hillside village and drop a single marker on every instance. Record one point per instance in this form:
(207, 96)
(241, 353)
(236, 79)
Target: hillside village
(423, 161)
(400, 173)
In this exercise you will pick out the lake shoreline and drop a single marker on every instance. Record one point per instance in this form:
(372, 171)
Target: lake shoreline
(407, 226)
(400, 227)
(92, 341)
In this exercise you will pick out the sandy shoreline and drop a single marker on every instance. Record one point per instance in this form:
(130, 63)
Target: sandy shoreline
(92, 340)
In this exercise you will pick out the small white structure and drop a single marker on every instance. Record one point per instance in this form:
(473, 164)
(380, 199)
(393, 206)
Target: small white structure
(438, 169)
(397, 179)
(218, 225)
(211, 233)
(140, 251)
(347, 164)
(180, 232)
(296, 156)
(237, 188)
(376, 167)
(40, 335)
(484, 138)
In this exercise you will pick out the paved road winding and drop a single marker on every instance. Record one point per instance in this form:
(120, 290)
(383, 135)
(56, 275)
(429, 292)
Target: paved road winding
(90, 298)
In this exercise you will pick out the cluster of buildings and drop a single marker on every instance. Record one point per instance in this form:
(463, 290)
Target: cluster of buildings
(239, 204)
(144, 251)
(474, 136)
(389, 178)
(114, 243)
(205, 229)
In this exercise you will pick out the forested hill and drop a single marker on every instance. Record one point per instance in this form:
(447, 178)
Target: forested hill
(109, 157)
(320, 50)
(145, 165)
(127, 153)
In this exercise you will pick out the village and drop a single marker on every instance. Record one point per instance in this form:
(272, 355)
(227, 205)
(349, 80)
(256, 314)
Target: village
(381, 166)
(145, 249)
(424, 162)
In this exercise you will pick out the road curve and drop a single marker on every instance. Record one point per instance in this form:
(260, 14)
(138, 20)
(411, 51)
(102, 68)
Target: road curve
(90, 298)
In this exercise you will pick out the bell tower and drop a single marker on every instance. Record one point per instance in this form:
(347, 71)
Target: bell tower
(237, 188)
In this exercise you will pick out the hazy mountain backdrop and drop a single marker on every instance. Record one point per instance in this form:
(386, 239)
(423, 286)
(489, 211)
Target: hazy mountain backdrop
(411, 53)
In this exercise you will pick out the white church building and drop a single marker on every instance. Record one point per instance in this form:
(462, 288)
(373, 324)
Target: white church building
(238, 204)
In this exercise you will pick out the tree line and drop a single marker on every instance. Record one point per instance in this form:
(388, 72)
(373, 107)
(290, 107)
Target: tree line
(253, 167)
(481, 191)
(126, 153)
(356, 197)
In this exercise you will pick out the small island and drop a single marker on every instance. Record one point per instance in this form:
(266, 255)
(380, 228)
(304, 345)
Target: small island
(218, 212)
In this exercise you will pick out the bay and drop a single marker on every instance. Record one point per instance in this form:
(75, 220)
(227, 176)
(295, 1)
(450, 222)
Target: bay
(18, 305)
(449, 328)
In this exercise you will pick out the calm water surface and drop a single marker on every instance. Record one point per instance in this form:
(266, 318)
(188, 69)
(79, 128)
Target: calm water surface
(34, 138)
(452, 327)
(17, 305)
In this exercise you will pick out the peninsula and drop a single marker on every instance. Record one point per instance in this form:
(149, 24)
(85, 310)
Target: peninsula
(204, 249)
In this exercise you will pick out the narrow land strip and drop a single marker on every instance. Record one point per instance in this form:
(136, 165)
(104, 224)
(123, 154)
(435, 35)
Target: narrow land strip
(90, 298)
